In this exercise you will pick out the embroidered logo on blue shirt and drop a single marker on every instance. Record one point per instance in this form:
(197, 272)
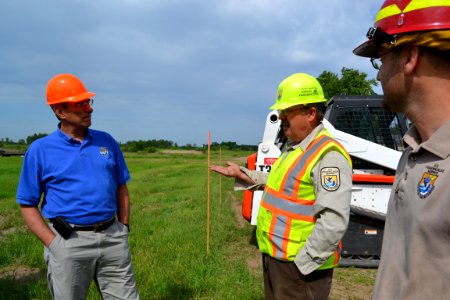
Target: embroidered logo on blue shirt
(104, 151)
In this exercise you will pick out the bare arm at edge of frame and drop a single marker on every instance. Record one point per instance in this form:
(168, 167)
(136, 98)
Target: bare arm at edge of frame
(123, 204)
(36, 223)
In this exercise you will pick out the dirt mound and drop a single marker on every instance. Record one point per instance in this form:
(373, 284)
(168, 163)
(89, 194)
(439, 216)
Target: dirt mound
(196, 152)
(20, 274)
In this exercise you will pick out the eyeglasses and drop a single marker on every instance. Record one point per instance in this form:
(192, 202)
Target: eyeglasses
(377, 62)
(83, 104)
(289, 110)
(379, 37)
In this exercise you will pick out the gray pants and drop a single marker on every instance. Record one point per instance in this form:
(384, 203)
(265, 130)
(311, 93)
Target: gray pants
(86, 255)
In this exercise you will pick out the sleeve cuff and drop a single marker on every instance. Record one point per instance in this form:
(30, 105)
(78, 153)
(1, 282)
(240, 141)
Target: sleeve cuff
(306, 264)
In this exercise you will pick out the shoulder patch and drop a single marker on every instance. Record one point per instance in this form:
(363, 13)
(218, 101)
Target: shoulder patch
(330, 179)
(426, 184)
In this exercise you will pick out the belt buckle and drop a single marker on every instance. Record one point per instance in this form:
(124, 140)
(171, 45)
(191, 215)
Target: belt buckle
(98, 227)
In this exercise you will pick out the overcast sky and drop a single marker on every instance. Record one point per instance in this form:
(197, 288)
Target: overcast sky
(172, 69)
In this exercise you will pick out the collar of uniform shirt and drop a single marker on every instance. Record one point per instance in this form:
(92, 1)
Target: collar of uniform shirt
(436, 144)
(291, 145)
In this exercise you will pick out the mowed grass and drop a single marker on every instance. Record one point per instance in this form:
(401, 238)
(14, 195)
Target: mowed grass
(169, 193)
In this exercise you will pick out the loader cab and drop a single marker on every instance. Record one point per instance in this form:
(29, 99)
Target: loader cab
(365, 117)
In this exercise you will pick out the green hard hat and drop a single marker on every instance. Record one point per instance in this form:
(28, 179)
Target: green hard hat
(297, 89)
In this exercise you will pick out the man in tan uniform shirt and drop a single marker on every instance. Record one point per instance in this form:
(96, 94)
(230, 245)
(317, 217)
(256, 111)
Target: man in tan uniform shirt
(300, 102)
(412, 40)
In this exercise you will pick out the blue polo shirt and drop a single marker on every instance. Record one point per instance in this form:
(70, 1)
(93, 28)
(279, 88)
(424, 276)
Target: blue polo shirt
(77, 181)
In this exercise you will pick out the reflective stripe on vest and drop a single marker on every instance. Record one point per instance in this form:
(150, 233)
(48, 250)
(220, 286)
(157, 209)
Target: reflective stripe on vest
(291, 218)
(291, 209)
(298, 169)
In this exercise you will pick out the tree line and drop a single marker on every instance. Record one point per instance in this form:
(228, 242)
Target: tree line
(27, 141)
(146, 146)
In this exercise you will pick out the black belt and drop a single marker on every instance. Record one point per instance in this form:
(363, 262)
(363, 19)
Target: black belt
(95, 227)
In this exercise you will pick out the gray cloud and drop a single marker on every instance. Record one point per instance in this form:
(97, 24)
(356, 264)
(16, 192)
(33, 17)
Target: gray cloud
(171, 69)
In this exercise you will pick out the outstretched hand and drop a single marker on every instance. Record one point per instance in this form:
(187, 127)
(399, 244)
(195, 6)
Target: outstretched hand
(232, 170)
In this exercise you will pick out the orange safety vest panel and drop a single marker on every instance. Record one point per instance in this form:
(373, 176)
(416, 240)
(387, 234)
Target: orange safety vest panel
(285, 218)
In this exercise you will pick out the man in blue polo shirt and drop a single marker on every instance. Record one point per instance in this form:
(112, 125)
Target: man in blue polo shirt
(80, 178)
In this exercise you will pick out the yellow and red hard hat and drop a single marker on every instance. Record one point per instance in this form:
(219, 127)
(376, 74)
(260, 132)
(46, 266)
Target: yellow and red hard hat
(66, 88)
(400, 17)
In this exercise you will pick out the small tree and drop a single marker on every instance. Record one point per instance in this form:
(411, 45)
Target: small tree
(32, 138)
(352, 82)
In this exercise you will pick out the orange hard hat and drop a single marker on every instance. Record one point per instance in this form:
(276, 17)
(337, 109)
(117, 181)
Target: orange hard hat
(66, 88)
(398, 17)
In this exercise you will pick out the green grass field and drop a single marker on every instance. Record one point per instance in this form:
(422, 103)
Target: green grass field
(168, 236)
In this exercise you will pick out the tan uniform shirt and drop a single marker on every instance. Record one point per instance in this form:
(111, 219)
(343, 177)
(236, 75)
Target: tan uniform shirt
(332, 208)
(415, 257)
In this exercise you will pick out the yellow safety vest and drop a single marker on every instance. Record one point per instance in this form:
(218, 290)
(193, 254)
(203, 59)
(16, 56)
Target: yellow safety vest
(285, 218)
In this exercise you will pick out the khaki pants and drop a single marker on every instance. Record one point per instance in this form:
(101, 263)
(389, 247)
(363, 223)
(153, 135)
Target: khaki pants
(283, 281)
(104, 256)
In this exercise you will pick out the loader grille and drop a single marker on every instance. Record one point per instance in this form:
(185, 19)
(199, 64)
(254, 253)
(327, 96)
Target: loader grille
(372, 124)
(367, 119)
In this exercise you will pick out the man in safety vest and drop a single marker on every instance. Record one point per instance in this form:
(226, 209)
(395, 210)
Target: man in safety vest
(410, 46)
(305, 207)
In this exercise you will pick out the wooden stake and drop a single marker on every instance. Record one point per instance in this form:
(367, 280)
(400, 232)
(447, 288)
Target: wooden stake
(220, 177)
(209, 194)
